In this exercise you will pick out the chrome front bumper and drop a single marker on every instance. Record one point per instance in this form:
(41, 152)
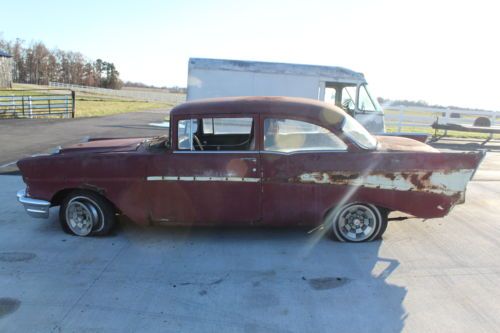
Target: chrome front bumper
(34, 207)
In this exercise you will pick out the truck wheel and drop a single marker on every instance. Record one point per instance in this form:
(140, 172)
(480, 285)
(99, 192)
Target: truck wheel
(84, 213)
(358, 222)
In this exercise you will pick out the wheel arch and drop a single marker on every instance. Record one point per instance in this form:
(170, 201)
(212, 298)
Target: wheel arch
(330, 210)
(59, 196)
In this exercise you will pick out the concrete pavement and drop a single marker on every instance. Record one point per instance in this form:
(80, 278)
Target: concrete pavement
(436, 276)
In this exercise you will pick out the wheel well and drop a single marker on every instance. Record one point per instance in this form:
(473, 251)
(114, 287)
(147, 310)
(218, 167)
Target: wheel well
(58, 198)
(383, 210)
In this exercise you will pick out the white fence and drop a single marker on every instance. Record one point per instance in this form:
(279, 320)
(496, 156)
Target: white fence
(150, 95)
(401, 117)
(35, 106)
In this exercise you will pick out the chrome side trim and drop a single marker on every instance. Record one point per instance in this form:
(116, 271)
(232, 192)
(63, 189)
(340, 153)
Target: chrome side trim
(34, 207)
(256, 152)
(204, 179)
(274, 152)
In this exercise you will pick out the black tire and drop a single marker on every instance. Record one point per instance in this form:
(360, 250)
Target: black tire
(100, 211)
(385, 222)
(369, 217)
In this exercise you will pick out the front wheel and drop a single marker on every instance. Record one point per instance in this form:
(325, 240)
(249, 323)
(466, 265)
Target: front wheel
(358, 222)
(85, 213)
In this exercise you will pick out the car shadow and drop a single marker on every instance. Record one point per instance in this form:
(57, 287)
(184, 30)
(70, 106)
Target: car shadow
(282, 279)
(345, 285)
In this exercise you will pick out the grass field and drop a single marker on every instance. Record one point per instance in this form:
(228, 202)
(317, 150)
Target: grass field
(91, 104)
(94, 107)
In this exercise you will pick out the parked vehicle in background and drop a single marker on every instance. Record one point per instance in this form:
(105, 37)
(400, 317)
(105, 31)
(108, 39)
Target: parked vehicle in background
(249, 161)
(209, 78)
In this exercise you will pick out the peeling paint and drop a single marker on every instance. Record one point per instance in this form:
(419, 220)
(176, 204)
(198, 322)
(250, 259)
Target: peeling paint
(441, 182)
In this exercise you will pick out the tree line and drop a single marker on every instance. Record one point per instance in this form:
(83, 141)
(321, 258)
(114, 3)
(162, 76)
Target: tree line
(36, 64)
(174, 89)
(422, 103)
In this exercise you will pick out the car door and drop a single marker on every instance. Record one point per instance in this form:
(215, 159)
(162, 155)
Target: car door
(293, 151)
(215, 186)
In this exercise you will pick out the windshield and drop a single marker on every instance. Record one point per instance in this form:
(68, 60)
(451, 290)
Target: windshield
(366, 102)
(357, 133)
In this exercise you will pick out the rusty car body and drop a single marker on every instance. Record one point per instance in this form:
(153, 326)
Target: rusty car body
(249, 161)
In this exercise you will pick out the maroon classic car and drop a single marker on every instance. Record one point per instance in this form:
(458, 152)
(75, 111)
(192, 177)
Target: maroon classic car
(249, 161)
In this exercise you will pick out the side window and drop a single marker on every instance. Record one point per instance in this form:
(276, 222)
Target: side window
(184, 137)
(228, 133)
(348, 98)
(365, 102)
(219, 126)
(286, 135)
(330, 95)
(208, 125)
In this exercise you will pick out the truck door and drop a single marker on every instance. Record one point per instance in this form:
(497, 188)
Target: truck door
(368, 112)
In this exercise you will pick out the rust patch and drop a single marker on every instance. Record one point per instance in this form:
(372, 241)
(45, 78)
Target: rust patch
(337, 178)
(341, 178)
(427, 176)
(415, 180)
(390, 175)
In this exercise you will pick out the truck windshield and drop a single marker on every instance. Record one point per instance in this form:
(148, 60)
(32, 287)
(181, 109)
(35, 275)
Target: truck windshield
(357, 133)
(366, 102)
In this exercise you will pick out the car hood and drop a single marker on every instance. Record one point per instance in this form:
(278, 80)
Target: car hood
(104, 146)
(397, 143)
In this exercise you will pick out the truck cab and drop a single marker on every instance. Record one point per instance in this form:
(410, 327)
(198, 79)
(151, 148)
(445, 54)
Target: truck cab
(212, 78)
(356, 100)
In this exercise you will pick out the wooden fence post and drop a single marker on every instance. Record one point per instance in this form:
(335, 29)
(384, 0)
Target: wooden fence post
(73, 96)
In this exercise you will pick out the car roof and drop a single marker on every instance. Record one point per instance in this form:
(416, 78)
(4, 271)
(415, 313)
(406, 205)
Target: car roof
(270, 106)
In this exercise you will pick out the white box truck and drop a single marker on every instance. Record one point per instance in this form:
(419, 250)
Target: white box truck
(208, 78)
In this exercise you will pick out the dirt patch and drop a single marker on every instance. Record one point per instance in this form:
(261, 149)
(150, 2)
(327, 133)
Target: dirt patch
(8, 306)
(327, 282)
(16, 256)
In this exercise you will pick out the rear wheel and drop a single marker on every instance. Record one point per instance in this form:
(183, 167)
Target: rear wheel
(358, 222)
(84, 213)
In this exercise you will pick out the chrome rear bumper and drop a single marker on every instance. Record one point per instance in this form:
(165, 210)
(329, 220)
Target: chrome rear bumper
(34, 207)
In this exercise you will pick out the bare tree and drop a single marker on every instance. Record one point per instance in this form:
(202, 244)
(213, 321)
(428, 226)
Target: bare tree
(38, 65)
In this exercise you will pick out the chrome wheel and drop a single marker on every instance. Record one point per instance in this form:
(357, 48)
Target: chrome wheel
(83, 216)
(357, 222)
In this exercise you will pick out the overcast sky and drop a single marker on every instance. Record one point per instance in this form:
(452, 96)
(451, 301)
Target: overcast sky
(444, 52)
